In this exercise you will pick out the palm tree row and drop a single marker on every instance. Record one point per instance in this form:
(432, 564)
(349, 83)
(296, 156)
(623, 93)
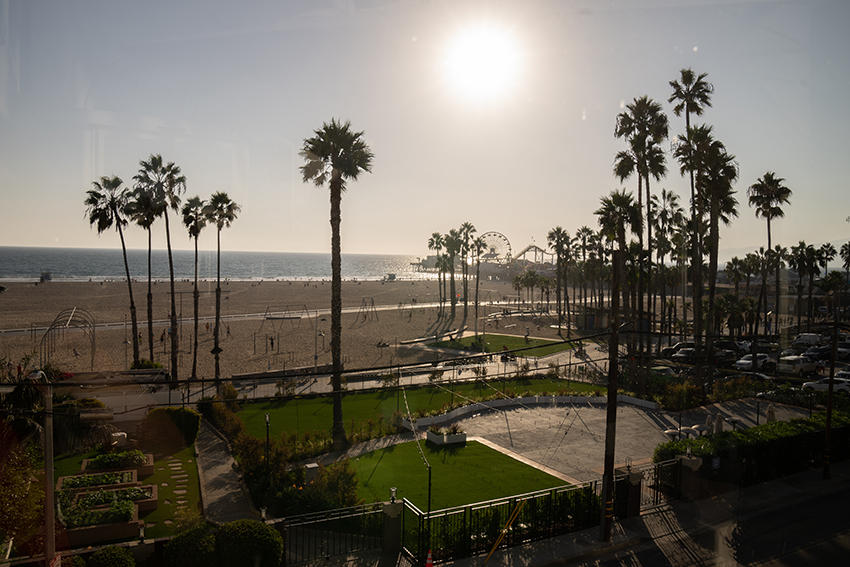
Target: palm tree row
(157, 189)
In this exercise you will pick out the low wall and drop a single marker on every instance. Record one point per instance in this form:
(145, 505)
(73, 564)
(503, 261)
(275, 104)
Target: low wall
(539, 401)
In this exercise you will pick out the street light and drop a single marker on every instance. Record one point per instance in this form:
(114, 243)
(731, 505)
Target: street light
(268, 479)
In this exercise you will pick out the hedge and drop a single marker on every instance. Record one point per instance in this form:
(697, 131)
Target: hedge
(238, 543)
(186, 421)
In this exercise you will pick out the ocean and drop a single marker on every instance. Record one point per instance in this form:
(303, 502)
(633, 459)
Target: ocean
(83, 264)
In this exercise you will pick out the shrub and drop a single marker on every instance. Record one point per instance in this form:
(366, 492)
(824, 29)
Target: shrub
(73, 561)
(231, 397)
(112, 556)
(239, 543)
(164, 423)
(145, 364)
(192, 548)
(85, 481)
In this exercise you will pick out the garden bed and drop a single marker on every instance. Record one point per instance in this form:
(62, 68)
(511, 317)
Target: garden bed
(89, 535)
(64, 481)
(142, 504)
(143, 470)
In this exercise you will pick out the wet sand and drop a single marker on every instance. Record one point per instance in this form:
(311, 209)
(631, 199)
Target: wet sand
(255, 312)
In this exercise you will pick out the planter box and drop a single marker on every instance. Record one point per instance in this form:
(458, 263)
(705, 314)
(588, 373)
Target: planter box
(133, 482)
(144, 505)
(446, 438)
(143, 470)
(89, 535)
(436, 438)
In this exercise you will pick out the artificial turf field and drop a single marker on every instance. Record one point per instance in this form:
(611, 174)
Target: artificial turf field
(459, 475)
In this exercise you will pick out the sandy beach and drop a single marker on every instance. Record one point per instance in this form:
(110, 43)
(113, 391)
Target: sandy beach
(273, 324)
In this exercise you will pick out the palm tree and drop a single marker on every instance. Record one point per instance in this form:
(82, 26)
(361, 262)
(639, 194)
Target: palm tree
(715, 181)
(584, 237)
(558, 240)
(143, 209)
(194, 220)
(478, 246)
(797, 262)
(336, 154)
(466, 232)
(813, 264)
(619, 212)
(165, 183)
(220, 211)
(845, 257)
(692, 95)
(453, 244)
(436, 243)
(668, 214)
(733, 272)
(105, 206)
(767, 195)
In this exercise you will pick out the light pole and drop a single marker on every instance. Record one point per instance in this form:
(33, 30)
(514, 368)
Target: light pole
(268, 479)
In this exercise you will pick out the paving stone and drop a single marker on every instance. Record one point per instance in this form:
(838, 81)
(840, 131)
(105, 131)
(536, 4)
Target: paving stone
(166, 502)
(179, 492)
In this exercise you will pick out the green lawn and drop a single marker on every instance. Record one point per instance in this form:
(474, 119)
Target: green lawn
(498, 343)
(315, 413)
(459, 475)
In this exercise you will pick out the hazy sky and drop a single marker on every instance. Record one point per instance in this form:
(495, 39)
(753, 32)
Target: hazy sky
(229, 90)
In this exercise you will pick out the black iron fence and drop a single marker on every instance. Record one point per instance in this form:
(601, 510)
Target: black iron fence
(478, 528)
(336, 532)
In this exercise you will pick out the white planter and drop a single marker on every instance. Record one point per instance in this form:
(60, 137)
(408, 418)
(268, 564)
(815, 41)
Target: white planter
(436, 438)
(456, 438)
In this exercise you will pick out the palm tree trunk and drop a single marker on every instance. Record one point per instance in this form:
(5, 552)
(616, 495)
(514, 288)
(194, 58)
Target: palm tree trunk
(175, 340)
(133, 318)
(150, 298)
(216, 350)
(338, 429)
(195, 298)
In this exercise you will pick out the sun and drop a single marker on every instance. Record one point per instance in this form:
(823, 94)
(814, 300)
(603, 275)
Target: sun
(482, 63)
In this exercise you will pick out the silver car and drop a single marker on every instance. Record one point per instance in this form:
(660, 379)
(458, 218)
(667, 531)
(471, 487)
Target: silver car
(840, 385)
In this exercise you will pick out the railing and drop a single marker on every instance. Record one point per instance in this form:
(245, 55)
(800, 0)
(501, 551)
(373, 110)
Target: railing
(336, 532)
(475, 529)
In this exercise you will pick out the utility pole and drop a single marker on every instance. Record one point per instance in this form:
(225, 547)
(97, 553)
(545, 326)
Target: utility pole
(611, 421)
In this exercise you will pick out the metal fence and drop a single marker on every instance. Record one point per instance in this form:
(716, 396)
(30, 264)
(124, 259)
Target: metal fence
(336, 532)
(660, 483)
(475, 529)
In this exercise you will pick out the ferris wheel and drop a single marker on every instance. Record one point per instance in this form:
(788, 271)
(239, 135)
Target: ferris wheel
(497, 248)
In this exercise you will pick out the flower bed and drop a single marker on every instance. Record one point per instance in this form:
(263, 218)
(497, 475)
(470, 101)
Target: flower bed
(121, 479)
(119, 530)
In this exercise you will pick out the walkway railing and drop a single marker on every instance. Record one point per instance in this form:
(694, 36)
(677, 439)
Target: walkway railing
(470, 530)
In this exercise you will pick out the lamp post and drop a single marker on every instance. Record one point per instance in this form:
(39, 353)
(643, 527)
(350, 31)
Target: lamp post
(268, 480)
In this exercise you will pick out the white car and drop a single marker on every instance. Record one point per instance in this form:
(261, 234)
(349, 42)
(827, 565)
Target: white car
(746, 363)
(839, 385)
(799, 365)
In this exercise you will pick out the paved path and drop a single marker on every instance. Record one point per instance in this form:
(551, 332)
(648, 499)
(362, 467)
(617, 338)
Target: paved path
(225, 497)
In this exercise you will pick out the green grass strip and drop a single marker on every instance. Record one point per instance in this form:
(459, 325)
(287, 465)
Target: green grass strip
(459, 475)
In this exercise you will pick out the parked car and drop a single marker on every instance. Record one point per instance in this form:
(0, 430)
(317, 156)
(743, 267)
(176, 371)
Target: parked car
(807, 339)
(739, 347)
(662, 372)
(685, 356)
(840, 385)
(762, 362)
(723, 357)
(843, 374)
(799, 365)
(754, 376)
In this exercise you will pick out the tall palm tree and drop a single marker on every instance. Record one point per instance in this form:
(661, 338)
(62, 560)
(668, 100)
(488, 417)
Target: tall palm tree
(766, 196)
(584, 237)
(845, 258)
(436, 243)
(165, 183)
(558, 240)
(143, 208)
(453, 243)
(477, 247)
(220, 211)
(668, 214)
(692, 95)
(813, 265)
(617, 214)
(336, 154)
(466, 233)
(797, 262)
(194, 220)
(105, 206)
(716, 180)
